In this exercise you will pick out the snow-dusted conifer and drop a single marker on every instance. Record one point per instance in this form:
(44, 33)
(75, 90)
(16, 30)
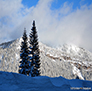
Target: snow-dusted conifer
(34, 52)
(24, 67)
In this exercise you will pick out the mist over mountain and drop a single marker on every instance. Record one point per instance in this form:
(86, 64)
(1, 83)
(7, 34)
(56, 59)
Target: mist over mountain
(68, 60)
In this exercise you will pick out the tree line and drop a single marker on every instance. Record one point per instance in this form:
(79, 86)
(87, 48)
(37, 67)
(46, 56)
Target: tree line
(29, 55)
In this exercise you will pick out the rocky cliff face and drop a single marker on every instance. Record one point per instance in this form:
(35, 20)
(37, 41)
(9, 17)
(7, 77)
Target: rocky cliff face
(68, 61)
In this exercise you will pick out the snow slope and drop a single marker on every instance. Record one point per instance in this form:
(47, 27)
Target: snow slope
(19, 82)
(67, 59)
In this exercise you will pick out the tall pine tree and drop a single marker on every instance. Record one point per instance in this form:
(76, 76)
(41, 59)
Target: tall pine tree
(24, 67)
(34, 52)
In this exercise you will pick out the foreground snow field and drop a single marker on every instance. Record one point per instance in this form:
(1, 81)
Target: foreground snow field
(19, 82)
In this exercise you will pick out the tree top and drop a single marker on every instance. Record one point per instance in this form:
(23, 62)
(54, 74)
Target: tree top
(33, 23)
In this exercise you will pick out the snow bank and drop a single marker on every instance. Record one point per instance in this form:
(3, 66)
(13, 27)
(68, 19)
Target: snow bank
(19, 82)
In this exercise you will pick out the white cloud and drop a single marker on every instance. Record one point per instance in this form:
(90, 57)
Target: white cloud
(9, 7)
(63, 25)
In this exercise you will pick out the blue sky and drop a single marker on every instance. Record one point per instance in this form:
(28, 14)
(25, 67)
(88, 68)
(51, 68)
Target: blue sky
(76, 3)
(57, 21)
(58, 3)
(30, 3)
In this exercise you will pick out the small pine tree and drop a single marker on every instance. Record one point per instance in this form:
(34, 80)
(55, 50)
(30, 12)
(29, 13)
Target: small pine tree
(34, 52)
(24, 67)
(77, 77)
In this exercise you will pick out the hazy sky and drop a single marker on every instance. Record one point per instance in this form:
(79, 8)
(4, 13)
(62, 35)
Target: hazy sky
(57, 21)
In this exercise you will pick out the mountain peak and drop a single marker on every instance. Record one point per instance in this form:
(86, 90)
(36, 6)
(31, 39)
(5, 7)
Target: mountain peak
(69, 48)
(54, 61)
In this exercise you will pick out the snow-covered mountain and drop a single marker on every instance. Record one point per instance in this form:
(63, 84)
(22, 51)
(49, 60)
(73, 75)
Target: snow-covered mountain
(20, 82)
(68, 60)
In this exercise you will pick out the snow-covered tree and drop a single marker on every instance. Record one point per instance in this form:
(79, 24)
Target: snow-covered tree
(34, 52)
(25, 64)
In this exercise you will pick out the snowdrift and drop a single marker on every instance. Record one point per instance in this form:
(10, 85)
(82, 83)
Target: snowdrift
(19, 82)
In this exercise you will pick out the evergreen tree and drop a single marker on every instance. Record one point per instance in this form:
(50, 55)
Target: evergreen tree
(24, 67)
(77, 77)
(34, 52)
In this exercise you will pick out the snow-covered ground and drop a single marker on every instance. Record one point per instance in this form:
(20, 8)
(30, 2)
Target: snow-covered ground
(19, 82)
